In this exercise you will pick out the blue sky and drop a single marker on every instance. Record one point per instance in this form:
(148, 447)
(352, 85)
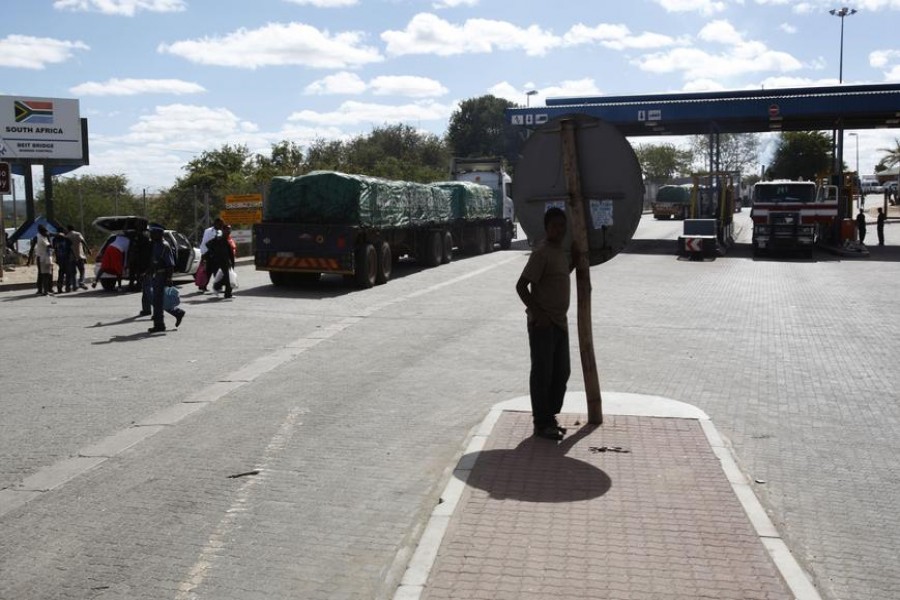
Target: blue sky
(162, 80)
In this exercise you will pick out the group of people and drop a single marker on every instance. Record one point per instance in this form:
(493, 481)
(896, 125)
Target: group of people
(217, 253)
(67, 250)
(879, 226)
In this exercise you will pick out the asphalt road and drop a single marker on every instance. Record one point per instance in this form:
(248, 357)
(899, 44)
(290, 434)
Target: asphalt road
(351, 406)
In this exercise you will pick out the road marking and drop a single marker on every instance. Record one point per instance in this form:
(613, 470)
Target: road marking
(220, 536)
(55, 475)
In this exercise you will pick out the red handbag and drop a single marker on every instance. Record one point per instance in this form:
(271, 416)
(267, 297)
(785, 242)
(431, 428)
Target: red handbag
(201, 277)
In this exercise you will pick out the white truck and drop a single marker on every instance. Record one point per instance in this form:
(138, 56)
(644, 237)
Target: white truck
(490, 172)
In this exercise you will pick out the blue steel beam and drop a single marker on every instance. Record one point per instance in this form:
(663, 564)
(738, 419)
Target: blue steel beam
(796, 109)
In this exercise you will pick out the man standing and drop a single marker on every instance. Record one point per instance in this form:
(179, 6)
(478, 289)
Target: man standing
(80, 250)
(162, 264)
(879, 226)
(547, 302)
(861, 226)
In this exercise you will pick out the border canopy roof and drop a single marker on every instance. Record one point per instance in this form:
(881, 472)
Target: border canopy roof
(742, 111)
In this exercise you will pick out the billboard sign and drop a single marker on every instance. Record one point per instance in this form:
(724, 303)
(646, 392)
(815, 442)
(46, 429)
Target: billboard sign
(37, 129)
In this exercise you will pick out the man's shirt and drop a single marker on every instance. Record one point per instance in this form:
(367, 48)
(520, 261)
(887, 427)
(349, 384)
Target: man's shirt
(548, 272)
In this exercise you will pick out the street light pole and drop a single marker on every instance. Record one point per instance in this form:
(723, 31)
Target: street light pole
(528, 96)
(842, 12)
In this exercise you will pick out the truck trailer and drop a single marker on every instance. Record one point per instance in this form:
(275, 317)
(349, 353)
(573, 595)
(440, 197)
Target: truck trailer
(359, 226)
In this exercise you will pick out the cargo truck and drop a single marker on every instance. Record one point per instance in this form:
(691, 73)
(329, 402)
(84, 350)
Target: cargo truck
(672, 201)
(791, 215)
(359, 226)
(489, 171)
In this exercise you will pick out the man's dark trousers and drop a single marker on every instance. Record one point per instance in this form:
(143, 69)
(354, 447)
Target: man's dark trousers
(550, 371)
(160, 280)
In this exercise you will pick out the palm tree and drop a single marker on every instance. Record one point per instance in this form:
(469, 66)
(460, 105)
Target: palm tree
(892, 154)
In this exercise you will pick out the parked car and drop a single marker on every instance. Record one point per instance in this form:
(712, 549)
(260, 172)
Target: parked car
(187, 256)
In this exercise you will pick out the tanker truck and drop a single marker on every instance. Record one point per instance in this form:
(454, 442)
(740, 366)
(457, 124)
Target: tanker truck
(359, 226)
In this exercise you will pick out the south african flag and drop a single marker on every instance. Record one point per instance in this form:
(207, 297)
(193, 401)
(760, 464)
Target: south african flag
(34, 111)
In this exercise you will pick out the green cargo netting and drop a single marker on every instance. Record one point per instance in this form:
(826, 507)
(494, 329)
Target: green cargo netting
(471, 200)
(675, 194)
(332, 198)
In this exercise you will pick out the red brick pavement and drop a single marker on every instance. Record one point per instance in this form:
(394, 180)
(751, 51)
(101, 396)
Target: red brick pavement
(638, 508)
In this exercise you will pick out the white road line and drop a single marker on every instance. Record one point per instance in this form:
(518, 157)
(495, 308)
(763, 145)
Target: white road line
(55, 475)
(218, 540)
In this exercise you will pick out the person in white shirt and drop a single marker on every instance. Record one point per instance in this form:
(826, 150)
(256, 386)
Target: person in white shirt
(209, 234)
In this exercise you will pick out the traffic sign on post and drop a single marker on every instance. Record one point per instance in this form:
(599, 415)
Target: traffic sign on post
(5, 178)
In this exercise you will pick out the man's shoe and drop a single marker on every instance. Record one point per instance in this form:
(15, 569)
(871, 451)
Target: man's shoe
(548, 432)
(179, 319)
(228, 295)
(144, 313)
(155, 329)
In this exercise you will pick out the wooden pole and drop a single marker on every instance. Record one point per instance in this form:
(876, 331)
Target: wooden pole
(576, 214)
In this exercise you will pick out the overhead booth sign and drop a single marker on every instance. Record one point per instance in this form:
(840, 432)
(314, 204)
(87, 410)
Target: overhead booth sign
(40, 129)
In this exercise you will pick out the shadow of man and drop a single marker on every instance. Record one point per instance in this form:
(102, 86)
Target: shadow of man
(539, 470)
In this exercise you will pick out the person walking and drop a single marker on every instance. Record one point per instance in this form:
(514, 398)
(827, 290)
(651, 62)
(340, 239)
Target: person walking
(114, 259)
(162, 264)
(43, 256)
(879, 226)
(544, 288)
(209, 234)
(80, 251)
(221, 257)
(861, 226)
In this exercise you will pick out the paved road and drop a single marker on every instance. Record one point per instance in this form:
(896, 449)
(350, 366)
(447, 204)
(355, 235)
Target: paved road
(356, 402)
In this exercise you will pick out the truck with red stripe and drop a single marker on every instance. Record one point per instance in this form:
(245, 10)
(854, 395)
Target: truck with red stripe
(791, 215)
(326, 222)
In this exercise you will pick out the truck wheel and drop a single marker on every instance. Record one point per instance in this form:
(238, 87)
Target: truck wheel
(434, 249)
(385, 263)
(489, 240)
(366, 266)
(479, 244)
(278, 278)
(506, 237)
(447, 253)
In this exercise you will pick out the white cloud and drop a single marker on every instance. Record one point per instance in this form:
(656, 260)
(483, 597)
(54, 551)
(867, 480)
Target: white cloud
(823, 6)
(325, 3)
(617, 37)
(453, 3)
(702, 85)
(719, 31)
(407, 85)
(704, 7)
(881, 58)
(355, 113)
(784, 81)
(385, 85)
(127, 8)
(339, 83)
(893, 74)
(740, 57)
(429, 34)
(27, 52)
(132, 87)
(278, 44)
(564, 89)
(787, 28)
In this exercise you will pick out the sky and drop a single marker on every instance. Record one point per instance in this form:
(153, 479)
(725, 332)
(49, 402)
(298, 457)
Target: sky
(160, 81)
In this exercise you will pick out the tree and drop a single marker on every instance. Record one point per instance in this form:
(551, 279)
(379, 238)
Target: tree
(285, 158)
(79, 200)
(662, 162)
(398, 152)
(737, 152)
(801, 155)
(478, 128)
(891, 157)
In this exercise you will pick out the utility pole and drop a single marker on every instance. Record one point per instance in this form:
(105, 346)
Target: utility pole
(145, 202)
(575, 212)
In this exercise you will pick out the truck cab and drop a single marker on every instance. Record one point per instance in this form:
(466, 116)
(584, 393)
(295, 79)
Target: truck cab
(490, 172)
(790, 215)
